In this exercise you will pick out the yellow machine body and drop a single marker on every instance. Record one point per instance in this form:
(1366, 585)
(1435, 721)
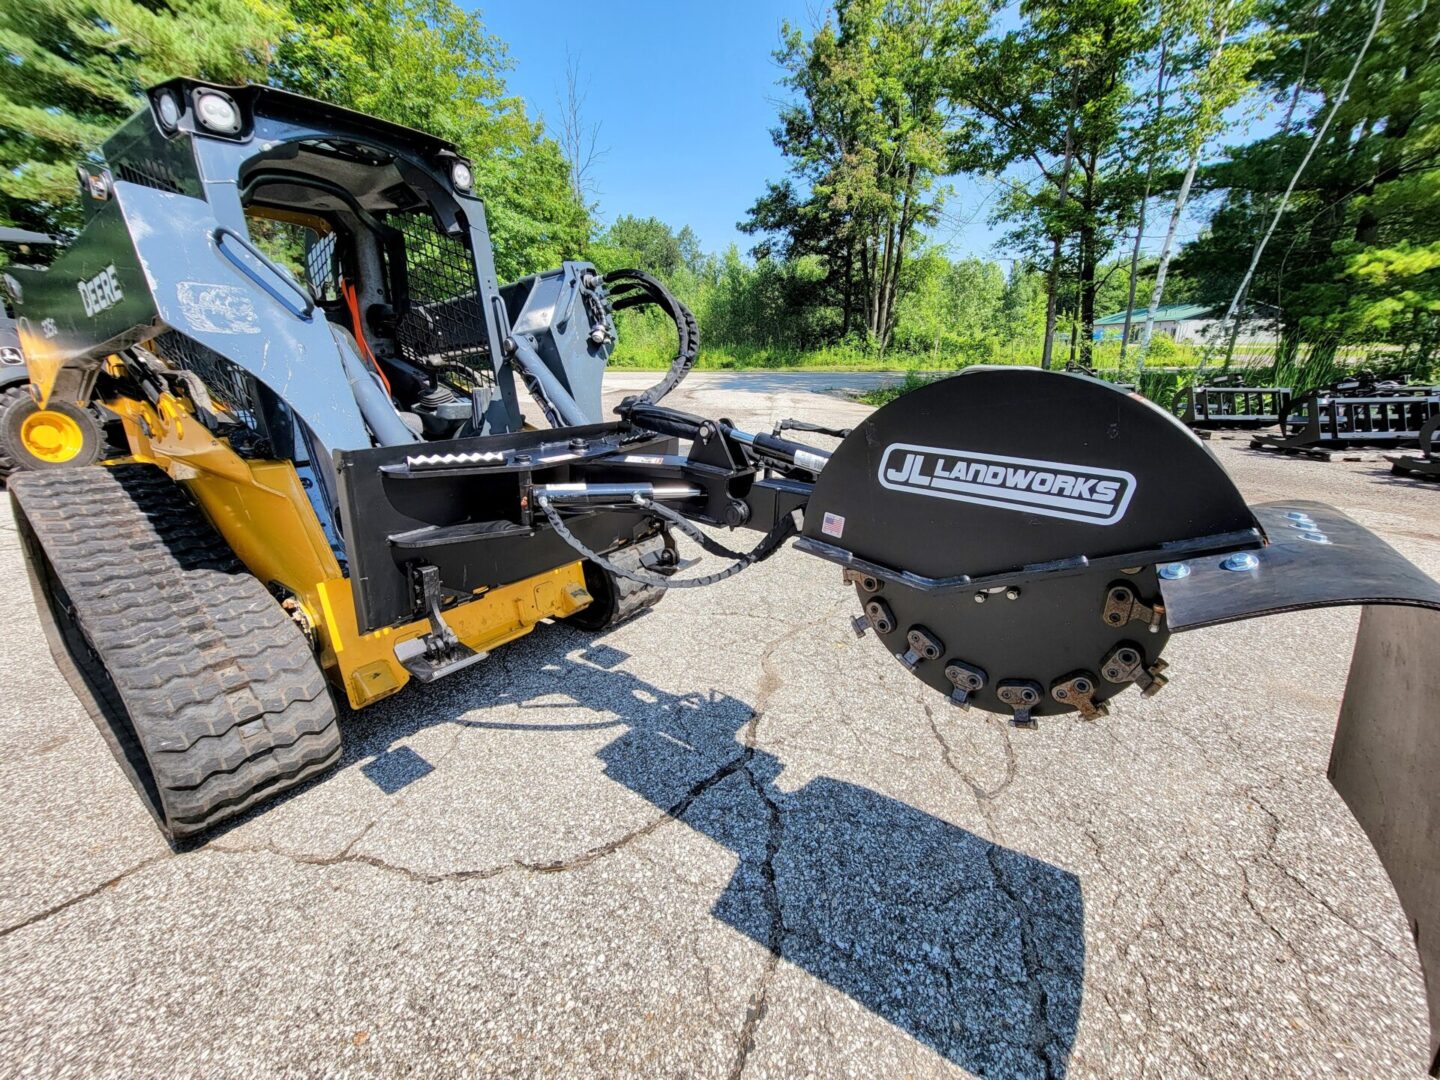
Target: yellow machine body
(264, 514)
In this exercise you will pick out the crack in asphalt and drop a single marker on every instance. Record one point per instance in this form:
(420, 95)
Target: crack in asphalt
(574, 862)
(88, 894)
(1269, 855)
(1041, 1034)
(758, 1005)
(674, 813)
(983, 796)
(770, 682)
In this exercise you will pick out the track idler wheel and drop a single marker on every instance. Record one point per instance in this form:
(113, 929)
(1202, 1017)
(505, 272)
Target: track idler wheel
(616, 599)
(61, 436)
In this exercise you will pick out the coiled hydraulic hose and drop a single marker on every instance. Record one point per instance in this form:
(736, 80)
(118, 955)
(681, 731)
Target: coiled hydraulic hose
(635, 288)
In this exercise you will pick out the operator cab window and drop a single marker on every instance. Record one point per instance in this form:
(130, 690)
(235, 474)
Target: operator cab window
(353, 225)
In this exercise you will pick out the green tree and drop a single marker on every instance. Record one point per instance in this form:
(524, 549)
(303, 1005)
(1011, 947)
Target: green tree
(1351, 259)
(1219, 44)
(1022, 304)
(651, 245)
(76, 69)
(1055, 95)
(950, 309)
(869, 130)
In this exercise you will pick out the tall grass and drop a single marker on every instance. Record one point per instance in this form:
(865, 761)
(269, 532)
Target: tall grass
(648, 342)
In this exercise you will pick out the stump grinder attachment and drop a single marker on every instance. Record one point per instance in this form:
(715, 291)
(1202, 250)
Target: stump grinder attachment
(330, 482)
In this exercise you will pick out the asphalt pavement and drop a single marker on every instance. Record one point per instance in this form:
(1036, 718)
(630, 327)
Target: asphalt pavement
(730, 838)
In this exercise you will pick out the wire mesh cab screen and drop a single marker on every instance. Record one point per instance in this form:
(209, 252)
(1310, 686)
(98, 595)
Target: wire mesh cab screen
(443, 327)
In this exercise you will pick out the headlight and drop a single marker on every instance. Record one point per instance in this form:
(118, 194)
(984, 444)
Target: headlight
(461, 176)
(11, 355)
(168, 109)
(217, 112)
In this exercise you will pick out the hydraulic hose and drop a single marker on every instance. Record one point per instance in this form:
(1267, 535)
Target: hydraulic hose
(768, 545)
(635, 288)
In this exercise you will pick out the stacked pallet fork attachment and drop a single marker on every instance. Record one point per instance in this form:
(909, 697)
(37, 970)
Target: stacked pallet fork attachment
(1352, 413)
(1233, 405)
(205, 689)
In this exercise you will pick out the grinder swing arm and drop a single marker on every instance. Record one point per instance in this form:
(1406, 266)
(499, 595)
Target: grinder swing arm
(1027, 568)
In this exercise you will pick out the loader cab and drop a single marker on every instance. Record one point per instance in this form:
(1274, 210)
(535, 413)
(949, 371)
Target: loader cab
(300, 251)
(371, 226)
(380, 246)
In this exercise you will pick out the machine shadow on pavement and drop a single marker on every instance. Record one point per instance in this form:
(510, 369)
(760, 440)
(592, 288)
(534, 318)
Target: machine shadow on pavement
(975, 950)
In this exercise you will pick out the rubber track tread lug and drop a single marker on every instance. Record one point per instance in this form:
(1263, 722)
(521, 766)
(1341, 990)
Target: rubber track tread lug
(219, 688)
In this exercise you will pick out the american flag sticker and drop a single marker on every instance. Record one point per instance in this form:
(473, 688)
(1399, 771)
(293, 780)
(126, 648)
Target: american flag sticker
(833, 525)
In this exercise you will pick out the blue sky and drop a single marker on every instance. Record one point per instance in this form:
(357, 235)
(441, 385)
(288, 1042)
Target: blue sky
(685, 93)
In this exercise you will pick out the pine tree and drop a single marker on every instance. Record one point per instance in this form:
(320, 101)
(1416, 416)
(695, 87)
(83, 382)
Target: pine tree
(76, 69)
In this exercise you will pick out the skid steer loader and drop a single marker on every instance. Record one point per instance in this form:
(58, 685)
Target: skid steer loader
(331, 487)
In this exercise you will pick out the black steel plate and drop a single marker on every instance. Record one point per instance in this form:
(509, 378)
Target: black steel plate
(467, 522)
(1353, 566)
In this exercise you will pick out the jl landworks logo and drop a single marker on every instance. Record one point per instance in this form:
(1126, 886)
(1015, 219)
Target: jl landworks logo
(1051, 488)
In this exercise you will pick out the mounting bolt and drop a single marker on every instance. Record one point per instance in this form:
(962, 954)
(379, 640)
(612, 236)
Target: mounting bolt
(1239, 562)
(1315, 537)
(1012, 593)
(981, 597)
(1174, 571)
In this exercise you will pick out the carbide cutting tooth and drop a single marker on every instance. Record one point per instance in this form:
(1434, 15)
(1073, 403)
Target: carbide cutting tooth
(1022, 695)
(1078, 691)
(882, 619)
(967, 679)
(923, 646)
(1126, 663)
(1155, 685)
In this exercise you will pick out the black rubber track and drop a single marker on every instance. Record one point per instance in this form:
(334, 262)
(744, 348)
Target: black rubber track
(618, 599)
(206, 691)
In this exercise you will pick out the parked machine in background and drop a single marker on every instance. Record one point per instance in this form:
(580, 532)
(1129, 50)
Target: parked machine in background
(63, 433)
(1426, 464)
(1357, 411)
(1224, 401)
